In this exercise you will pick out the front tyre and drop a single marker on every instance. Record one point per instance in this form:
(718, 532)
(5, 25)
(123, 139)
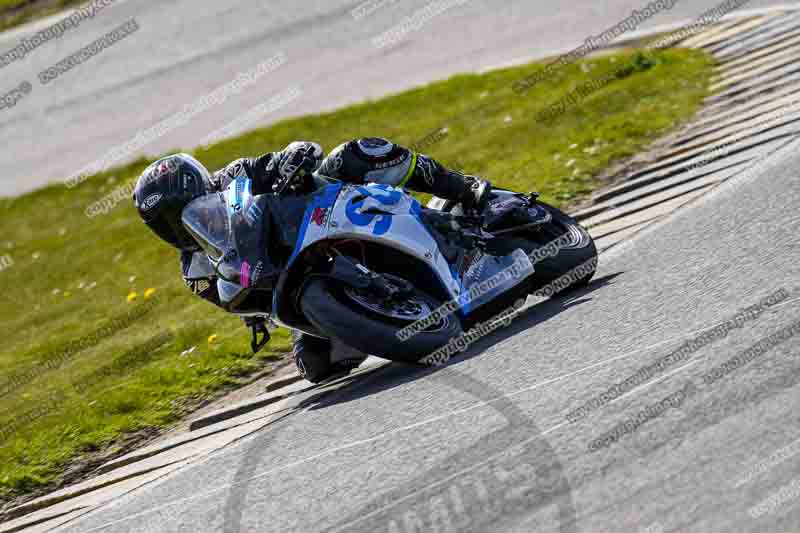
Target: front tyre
(344, 314)
(580, 249)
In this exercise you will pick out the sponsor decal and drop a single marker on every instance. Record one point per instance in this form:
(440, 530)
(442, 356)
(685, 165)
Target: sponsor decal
(188, 183)
(337, 161)
(326, 199)
(507, 204)
(253, 214)
(390, 197)
(425, 166)
(238, 190)
(151, 201)
(235, 170)
(198, 286)
(392, 163)
(244, 275)
(164, 168)
(474, 265)
(257, 273)
(320, 216)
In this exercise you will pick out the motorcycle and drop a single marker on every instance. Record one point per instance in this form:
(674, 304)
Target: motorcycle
(370, 267)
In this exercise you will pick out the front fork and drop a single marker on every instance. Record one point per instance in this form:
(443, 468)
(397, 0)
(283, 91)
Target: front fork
(360, 277)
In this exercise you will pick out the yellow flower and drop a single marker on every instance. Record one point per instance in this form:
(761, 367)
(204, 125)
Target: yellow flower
(132, 296)
(149, 292)
(212, 339)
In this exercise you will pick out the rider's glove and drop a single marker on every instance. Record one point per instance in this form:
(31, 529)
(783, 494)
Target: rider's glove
(297, 162)
(478, 196)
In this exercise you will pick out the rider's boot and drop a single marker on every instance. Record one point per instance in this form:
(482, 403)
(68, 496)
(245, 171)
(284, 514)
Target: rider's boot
(318, 359)
(470, 191)
(312, 356)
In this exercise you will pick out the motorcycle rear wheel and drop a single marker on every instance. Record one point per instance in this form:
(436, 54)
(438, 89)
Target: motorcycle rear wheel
(579, 250)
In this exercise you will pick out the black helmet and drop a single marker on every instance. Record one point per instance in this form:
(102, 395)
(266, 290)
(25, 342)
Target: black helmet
(164, 189)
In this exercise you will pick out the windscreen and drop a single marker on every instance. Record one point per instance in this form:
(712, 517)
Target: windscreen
(233, 228)
(206, 218)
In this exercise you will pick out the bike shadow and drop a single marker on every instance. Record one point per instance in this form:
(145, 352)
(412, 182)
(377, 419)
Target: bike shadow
(395, 374)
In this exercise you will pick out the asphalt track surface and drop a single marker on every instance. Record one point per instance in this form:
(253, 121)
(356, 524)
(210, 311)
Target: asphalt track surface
(484, 444)
(185, 49)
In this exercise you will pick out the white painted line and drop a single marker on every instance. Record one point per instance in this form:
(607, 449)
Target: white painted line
(622, 40)
(28, 28)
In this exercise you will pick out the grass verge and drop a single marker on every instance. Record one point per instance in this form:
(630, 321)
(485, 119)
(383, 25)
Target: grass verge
(84, 364)
(16, 12)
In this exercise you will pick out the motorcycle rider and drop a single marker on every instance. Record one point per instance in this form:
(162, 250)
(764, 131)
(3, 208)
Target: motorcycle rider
(170, 184)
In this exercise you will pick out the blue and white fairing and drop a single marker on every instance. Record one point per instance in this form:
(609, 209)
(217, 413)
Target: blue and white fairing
(389, 216)
(377, 213)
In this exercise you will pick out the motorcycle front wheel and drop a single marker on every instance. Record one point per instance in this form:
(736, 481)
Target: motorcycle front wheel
(369, 324)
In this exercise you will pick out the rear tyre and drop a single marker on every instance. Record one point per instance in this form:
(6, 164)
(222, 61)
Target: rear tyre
(343, 314)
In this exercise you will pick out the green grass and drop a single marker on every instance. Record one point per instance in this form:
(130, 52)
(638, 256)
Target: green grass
(16, 12)
(85, 391)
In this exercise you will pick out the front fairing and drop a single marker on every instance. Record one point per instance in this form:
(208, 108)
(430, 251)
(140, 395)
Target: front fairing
(392, 218)
(232, 227)
(377, 213)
